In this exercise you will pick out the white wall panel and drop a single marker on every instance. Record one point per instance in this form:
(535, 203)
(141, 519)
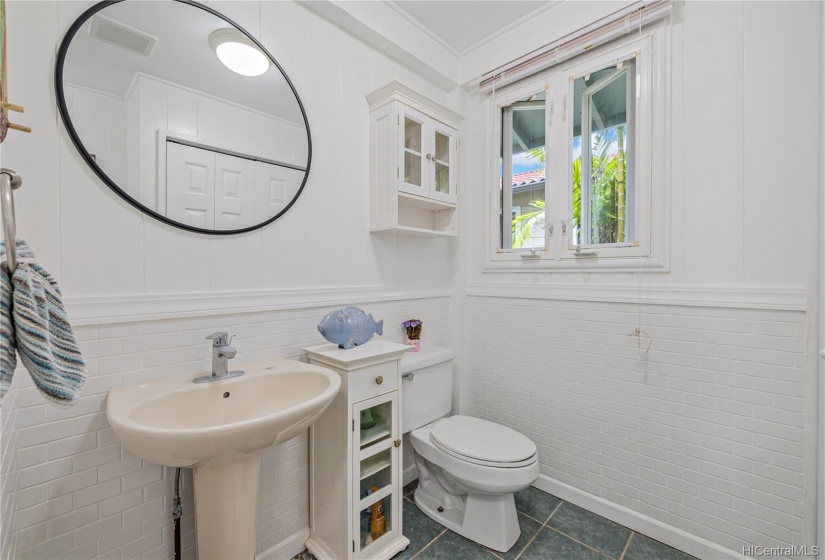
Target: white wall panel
(736, 213)
(712, 248)
(183, 112)
(777, 132)
(85, 501)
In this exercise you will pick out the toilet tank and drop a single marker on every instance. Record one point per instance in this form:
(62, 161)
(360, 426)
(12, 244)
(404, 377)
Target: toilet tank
(427, 394)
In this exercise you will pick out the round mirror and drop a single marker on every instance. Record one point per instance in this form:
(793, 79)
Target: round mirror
(183, 114)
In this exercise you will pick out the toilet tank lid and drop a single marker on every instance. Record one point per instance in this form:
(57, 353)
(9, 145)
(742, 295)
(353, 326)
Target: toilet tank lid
(426, 357)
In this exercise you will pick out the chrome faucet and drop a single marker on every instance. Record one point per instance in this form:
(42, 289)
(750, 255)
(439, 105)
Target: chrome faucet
(222, 352)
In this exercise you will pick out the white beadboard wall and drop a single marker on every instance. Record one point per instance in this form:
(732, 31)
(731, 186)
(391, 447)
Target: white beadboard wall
(712, 432)
(82, 496)
(157, 104)
(105, 130)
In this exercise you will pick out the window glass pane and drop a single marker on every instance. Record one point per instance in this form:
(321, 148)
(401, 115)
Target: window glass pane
(602, 184)
(524, 153)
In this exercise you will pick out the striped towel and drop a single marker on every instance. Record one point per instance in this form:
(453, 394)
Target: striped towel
(8, 349)
(33, 319)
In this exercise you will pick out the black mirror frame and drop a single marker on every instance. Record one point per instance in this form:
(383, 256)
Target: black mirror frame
(64, 115)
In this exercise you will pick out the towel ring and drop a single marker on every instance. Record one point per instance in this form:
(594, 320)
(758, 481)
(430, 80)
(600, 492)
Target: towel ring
(9, 181)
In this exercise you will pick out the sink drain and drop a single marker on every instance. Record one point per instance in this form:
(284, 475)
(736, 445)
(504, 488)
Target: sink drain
(226, 395)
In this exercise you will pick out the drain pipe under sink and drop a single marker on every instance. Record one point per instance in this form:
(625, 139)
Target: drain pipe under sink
(177, 511)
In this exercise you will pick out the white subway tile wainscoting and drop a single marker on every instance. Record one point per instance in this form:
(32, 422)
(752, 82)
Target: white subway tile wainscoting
(698, 424)
(81, 495)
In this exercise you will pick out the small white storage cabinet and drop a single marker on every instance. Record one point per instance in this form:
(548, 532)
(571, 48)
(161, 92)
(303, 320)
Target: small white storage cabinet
(356, 454)
(413, 164)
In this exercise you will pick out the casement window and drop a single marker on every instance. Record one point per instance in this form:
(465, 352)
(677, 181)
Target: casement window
(578, 167)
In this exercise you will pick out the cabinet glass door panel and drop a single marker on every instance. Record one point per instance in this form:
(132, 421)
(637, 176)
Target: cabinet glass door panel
(413, 177)
(376, 472)
(375, 424)
(375, 525)
(376, 454)
(442, 172)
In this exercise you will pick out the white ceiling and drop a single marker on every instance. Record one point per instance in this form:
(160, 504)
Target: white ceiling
(464, 24)
(182, 55)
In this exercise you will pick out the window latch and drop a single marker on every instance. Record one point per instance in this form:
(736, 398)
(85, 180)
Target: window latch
(585, 253)
(531, 255)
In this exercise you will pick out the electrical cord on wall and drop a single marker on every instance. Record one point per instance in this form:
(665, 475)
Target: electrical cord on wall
(177, 512)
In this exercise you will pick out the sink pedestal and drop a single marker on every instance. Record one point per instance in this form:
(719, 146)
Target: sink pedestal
(220, 429)
(226, 509)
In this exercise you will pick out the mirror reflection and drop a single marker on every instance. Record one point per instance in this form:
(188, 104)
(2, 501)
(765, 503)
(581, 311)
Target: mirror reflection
(184, 115)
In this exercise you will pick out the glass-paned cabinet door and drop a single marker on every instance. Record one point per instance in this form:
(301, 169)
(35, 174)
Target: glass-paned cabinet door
(412, 173)
(442, 160)
(376, 488)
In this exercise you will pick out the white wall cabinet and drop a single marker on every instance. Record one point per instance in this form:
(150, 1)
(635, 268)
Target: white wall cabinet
(356, 455)
(413, 164)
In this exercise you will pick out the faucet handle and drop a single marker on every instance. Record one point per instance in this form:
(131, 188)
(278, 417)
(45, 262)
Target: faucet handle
(219, 338)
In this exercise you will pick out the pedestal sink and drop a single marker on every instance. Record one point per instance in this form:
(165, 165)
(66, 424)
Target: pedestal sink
(220, 429)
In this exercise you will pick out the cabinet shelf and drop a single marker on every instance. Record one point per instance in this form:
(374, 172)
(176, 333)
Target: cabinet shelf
(414, 232)
(425, 203)
(374, 464)
(376, 433)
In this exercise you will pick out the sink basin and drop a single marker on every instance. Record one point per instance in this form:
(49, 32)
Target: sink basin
(175, 422)
(220, 429)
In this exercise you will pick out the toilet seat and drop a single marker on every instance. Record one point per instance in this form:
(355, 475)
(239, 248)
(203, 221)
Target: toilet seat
(482, 442)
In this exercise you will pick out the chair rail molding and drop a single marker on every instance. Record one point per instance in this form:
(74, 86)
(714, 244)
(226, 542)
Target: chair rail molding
(101, 310)
(737, 296)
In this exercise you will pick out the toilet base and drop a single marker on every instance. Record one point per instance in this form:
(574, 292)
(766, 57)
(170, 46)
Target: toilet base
(488, 519)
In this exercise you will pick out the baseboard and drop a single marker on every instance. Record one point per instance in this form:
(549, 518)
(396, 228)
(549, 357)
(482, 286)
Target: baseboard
(677, 538)
(287, 548)
(409, 474)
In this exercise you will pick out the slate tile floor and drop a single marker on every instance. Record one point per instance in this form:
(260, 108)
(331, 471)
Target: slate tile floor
(550, 529)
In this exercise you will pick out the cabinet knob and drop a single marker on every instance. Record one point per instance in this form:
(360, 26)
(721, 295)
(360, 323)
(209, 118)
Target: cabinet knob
(397, 443)
(429, 156)
(379, 380)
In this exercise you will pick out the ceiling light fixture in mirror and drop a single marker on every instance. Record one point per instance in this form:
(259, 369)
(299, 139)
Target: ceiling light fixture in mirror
(183, 114)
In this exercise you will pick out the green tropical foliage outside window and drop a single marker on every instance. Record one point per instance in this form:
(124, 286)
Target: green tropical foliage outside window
(608, 193)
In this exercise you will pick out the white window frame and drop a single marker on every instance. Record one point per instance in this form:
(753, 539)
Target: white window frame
(650, 52)
(504, 178)
(586, 131)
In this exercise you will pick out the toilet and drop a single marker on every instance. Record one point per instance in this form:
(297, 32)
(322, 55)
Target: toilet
(468, 468)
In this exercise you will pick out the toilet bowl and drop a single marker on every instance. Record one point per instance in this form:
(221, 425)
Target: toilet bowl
(468, 468)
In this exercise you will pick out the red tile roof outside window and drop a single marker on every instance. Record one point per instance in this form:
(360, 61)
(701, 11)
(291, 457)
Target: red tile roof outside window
(528, 178)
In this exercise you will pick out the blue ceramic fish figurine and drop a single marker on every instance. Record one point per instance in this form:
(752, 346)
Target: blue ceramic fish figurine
(349, 327)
